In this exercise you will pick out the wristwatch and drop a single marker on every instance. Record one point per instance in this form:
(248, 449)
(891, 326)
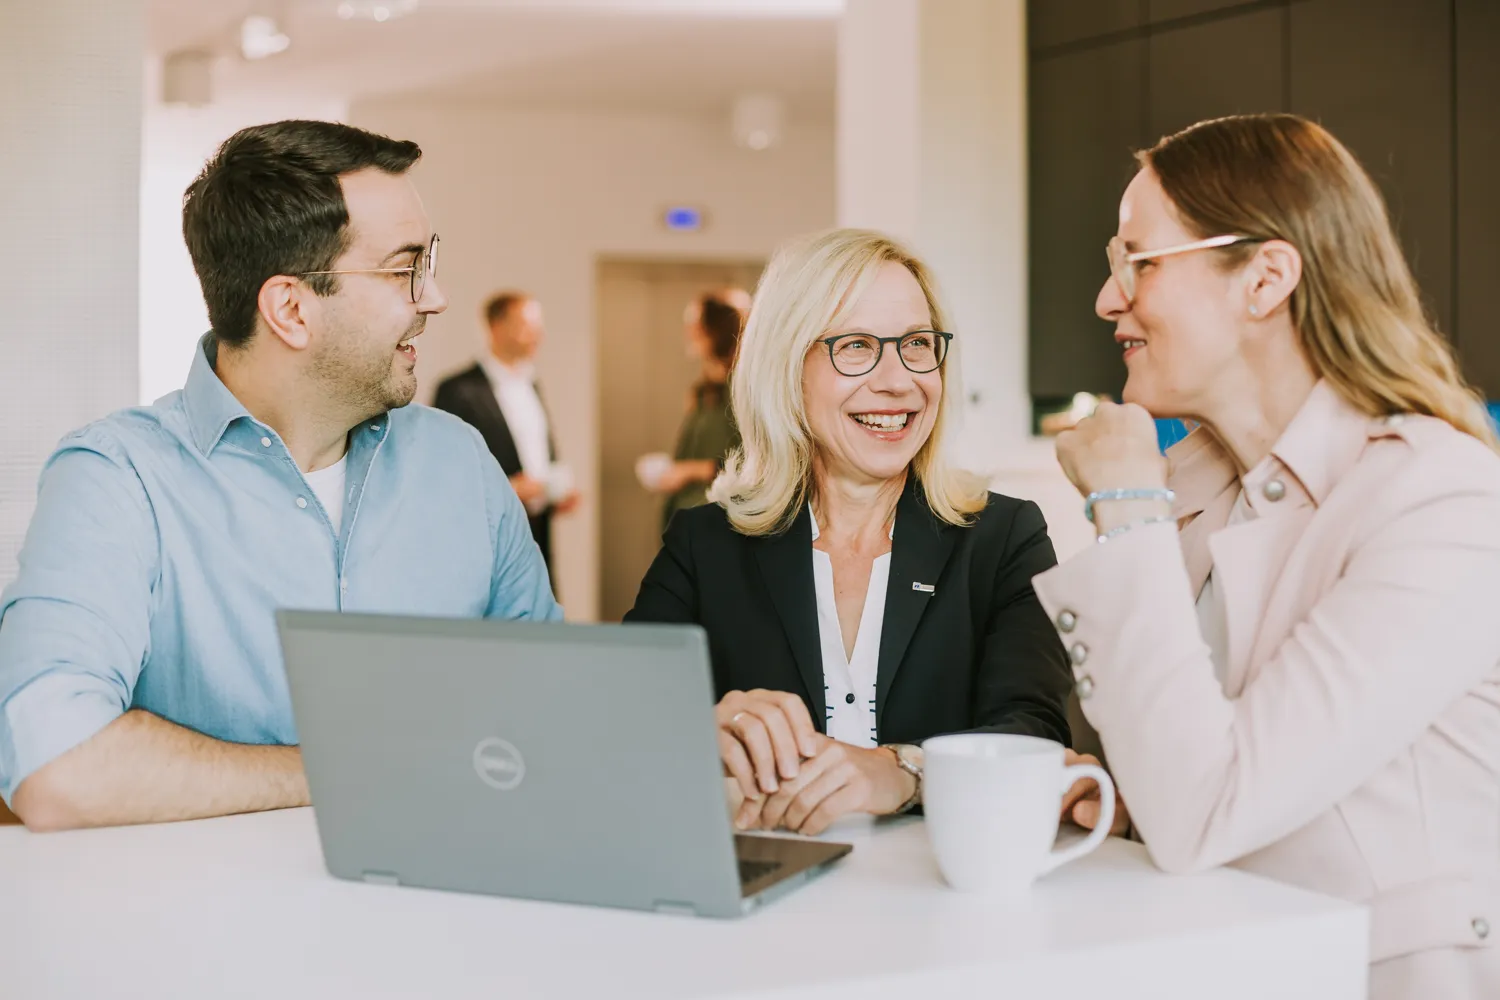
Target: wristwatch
(909, 759)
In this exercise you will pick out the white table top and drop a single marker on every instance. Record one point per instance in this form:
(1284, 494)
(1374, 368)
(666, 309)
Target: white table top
(242, 907)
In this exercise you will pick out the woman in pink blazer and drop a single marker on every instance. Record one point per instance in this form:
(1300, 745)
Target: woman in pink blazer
(1288, 637)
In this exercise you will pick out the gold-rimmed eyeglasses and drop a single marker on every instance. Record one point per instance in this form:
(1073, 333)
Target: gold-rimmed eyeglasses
(425, 264)
(1122, 260)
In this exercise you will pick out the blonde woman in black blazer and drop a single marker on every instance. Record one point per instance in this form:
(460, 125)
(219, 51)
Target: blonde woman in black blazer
(860, 594)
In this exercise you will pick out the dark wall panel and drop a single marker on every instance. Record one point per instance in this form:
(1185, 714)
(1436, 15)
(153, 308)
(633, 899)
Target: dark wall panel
(1231, 66)
(1087, 117)
(1165, 10)
(1378, 74)
(1478, 264)
(1057, 22)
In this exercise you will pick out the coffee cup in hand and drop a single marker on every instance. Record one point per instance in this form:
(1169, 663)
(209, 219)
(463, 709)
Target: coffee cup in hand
(992, 802)
(650, 469)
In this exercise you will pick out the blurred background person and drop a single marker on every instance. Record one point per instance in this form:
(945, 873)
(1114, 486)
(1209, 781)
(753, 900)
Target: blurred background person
(712, 324)
(499, 396)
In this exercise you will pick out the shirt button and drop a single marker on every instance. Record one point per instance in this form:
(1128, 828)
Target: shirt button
(1085, 686)
(302, 502)
(1078, 654)
(1067, 622)
(375, 427)
(265, 442)
(1274, 490)
(343, 583)
(849, 699)
(1481, 928)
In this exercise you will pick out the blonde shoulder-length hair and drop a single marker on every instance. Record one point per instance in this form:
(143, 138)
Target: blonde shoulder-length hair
(809, 288)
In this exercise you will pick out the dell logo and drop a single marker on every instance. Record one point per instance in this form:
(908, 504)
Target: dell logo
(499, 764)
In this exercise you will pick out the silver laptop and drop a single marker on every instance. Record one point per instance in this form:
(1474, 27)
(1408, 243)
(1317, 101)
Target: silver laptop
(573, 763)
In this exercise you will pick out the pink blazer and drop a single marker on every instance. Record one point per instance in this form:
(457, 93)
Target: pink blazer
(1354, 746)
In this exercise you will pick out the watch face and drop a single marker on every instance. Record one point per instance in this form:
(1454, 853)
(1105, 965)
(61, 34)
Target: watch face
(911, 755)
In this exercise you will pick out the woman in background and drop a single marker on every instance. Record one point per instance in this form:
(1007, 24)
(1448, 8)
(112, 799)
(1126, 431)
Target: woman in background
(1288, 642)
(708, 434)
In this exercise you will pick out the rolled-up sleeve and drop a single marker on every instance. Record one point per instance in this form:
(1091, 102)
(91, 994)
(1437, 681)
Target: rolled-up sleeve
(75, 623)
(520, 586)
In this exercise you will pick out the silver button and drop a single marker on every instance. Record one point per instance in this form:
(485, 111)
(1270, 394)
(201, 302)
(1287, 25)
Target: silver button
(1481, 927)
(1078, 654)
(1067, 621)
(1085, 686)
(1274, 490)
(302, 502)
(265, 442)
(343, 583)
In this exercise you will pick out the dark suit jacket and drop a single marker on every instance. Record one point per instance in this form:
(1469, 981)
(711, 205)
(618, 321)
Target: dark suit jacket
(470, 397)
(977, 653)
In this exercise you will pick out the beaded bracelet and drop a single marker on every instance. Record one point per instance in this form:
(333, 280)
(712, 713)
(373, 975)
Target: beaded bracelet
(1131, 526)
(1093, 498)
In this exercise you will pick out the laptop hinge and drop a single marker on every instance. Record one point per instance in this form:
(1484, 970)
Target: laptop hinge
(672, 906)
(381, 878)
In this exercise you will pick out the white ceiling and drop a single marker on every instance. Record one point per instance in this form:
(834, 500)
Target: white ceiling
(686, 56)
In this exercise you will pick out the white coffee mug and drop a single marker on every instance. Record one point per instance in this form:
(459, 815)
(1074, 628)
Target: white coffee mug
(650, 469)
(992, 803)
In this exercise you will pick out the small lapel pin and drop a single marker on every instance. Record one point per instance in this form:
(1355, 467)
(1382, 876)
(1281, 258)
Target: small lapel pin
(925, 588)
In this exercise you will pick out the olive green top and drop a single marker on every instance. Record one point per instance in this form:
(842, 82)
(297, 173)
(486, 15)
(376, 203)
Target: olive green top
(708, 434)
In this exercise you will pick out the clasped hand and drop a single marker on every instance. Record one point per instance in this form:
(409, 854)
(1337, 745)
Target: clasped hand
(787, 774)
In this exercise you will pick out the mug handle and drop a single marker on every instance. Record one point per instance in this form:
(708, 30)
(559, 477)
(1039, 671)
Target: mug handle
(1106, 814)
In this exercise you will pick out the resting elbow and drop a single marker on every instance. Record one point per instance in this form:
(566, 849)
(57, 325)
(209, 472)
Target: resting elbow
(44, 805)
(1179, 858)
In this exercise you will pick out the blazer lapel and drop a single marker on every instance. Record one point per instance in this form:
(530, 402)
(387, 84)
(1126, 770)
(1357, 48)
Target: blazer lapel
(497, 431)
(919, 552)
(786, 566)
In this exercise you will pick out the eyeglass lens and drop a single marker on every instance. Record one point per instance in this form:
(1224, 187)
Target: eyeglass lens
(857, 354)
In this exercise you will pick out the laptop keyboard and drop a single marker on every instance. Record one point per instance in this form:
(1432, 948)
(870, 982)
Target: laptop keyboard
(752, 870)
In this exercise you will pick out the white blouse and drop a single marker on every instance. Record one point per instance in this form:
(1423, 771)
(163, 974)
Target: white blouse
(849, 682)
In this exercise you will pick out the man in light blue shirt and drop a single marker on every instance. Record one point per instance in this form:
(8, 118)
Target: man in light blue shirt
(140, 672)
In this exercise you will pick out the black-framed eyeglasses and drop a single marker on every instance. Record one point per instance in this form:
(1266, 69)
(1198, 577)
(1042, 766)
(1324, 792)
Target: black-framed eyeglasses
(424, 265)
(921, 351)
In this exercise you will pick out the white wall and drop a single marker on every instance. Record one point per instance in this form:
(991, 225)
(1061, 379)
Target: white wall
(69, 165)
(176, 141)
(533, 199)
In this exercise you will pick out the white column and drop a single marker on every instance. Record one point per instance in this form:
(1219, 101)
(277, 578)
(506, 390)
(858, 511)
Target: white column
(932, 148)
(70, 71)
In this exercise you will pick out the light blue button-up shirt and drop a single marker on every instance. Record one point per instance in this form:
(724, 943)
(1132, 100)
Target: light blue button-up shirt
(166, 536)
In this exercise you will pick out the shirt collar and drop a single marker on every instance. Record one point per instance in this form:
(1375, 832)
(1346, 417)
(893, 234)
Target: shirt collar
(498, 371)
(210, 406)
(1325, 437)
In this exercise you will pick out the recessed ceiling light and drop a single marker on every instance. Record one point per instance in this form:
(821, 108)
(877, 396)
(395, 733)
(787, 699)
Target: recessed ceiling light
(375, 10)
(261, 37)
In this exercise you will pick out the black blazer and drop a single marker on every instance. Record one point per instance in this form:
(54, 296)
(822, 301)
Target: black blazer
(976, 653)
(470, 397)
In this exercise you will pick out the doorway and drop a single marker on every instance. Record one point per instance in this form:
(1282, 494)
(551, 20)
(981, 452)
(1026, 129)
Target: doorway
(645, 378)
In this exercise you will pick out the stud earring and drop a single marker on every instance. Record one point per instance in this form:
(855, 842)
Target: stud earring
(1253, 310)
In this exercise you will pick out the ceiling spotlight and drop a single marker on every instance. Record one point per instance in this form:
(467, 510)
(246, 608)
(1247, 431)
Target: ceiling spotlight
(375, 10)
(261, 36)
(757, 121)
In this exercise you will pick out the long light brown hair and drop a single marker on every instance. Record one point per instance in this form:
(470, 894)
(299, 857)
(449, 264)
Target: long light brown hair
(1356, 309)
(809, 287)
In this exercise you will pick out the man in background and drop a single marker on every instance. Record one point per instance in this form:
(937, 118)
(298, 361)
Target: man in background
(500, 398)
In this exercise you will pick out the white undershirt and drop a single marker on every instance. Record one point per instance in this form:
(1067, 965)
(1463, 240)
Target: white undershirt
(515, 391)
(849, 721)
(328, 485)
(1213, 622)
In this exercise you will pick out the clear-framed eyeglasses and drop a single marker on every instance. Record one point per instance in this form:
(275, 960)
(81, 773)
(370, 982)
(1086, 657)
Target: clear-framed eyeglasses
(921, 351)
(1122, 260)
(424, 265)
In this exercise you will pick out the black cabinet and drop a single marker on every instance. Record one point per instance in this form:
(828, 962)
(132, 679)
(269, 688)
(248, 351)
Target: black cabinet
(1378, 74)
(1411, 86)
(1087, 119)
(1477, 72)
(1232, 65)
(1058, 22)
